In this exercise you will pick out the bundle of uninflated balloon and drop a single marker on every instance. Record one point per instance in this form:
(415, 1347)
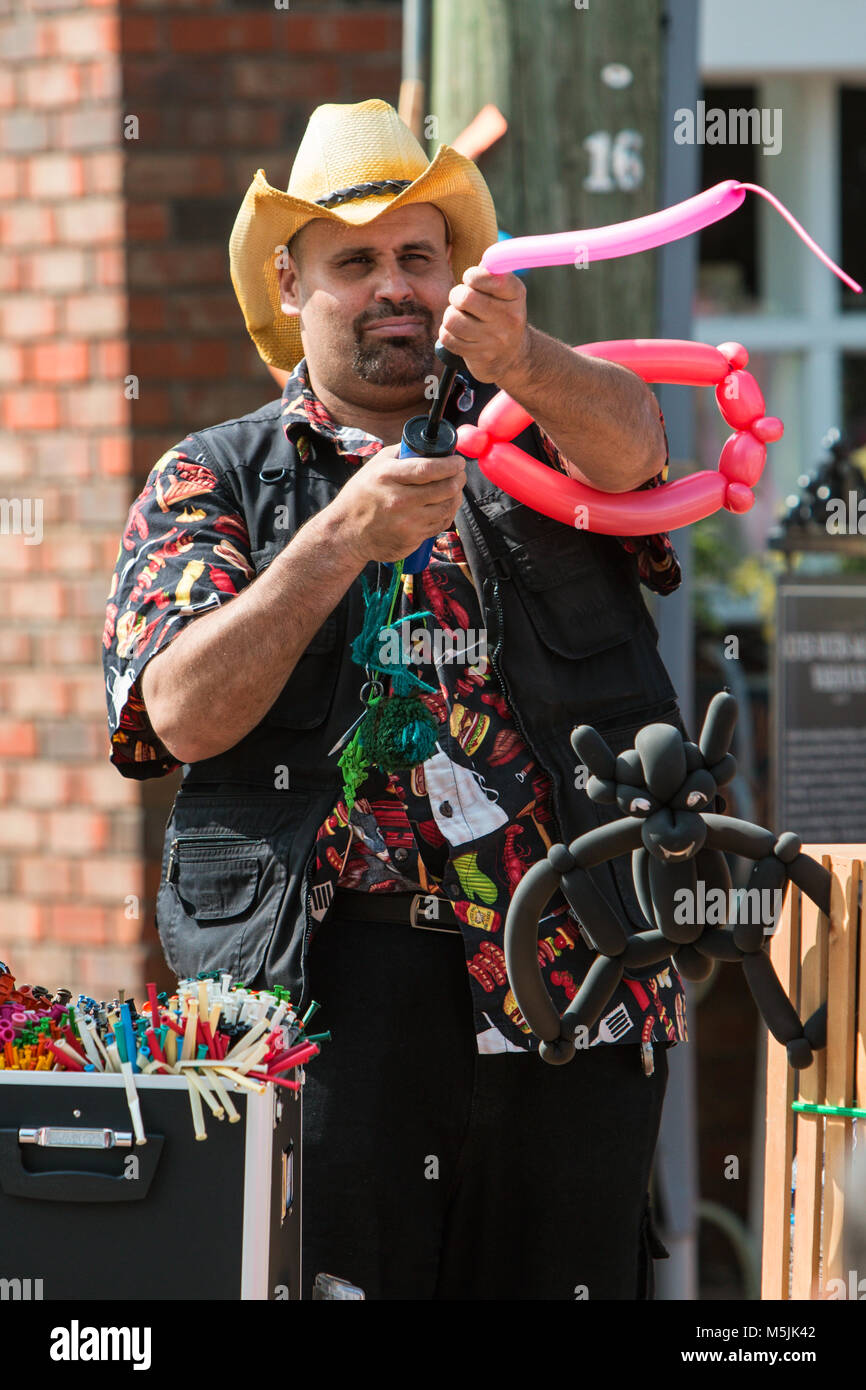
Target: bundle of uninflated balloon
(212, 1031)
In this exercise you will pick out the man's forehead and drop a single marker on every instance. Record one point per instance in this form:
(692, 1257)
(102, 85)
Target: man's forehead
(403, 224)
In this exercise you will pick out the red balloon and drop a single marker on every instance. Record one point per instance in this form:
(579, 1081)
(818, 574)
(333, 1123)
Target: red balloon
(643, 511)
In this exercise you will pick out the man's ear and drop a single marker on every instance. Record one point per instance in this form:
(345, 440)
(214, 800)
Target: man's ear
(289, 288)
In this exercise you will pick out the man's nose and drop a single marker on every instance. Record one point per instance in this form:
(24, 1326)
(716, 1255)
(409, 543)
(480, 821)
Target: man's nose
(393, 282)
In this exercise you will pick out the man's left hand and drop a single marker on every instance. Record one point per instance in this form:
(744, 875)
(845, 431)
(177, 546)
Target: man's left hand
(485, 323)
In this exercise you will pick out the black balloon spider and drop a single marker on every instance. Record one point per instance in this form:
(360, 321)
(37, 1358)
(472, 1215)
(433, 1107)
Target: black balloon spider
(663, 786)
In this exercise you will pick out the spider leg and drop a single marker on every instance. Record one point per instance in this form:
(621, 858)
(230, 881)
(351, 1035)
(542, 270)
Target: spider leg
(521, 944)
(690, 963)
(750, 925)
(605, 842)
(645, 948)
(640, 879)
(594, 992)
(718, 944)
(737, 836)
(776, 1008)
(812, 879)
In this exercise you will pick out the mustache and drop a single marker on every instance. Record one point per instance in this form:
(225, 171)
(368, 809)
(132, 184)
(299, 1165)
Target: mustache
(394, 311)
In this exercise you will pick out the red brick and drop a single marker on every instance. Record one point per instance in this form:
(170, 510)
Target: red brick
(77, 831)
(67, 553)
(54, 176)
(15, 647)
(29, 316)
(42, 876)
(52, 84)
(146, 313)
(205, 314)
(87, 693)
(90, 221)
(43, 784)
(12, 273)
(22, 37)
(10, 177)
(11, 363)
(22, 132)
(92, 315)
(141, 33)
(103, 171)
(7, 87)
(110, 359)
(82, 35)
(56, 271)
(114, 457)
(264, 79)
(59, 361)
(35, 692)
(154, 407)
(146, 221)
(17, 558)
(17, 738)
(229, 34)
(178, 266)
(101, 785)
(96, 127)
(184, 175)
(61, 455)
(102, 972)
(37, 599)
(173, 358)
(69, 922)
(30, 409)
(101, 80)
(97, 405)
(110, 880)
(19, 830)
(26, 225)
(65, 647)
(16, 457)
(19, 920)
(109, 266)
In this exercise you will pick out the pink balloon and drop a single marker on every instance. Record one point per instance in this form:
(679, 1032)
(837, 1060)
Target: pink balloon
(620, 238)
(642, 234)
(649, 510)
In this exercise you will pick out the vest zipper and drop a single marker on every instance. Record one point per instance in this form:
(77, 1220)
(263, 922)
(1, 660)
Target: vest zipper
(308, 923)
(204, 840)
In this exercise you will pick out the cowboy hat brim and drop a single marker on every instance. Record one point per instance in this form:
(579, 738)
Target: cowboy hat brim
(269, 218)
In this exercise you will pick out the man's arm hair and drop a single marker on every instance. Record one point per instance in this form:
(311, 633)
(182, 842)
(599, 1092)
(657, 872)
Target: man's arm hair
(218, 678)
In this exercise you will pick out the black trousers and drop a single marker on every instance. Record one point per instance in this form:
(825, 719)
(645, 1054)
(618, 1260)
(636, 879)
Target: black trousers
(430, 1172)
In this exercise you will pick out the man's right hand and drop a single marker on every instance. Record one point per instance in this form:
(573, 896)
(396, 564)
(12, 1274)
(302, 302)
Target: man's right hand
(391, 504)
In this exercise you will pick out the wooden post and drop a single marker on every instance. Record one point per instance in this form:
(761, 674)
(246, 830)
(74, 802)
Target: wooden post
(784, 953)
(580, 150)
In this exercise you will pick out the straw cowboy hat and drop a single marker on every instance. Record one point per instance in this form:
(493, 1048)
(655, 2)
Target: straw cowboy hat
(353, 164)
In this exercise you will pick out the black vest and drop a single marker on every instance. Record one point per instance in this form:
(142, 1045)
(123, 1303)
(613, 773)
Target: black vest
(570, 642)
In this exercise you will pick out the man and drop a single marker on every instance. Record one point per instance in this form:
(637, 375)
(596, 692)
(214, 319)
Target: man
(441, 1158)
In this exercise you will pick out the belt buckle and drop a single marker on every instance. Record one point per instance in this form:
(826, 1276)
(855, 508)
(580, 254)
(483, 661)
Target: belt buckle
(427, 903)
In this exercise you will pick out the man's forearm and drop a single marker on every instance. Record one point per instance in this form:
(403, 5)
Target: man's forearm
(222, 673)
(600, 415)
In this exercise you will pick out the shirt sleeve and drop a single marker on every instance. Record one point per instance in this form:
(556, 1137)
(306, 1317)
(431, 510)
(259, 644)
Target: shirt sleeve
(184, 550)
(657, 564)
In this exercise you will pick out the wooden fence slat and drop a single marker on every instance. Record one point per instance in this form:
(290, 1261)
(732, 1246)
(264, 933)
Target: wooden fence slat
(785, 955)
(840, 1056)
(810, 1128)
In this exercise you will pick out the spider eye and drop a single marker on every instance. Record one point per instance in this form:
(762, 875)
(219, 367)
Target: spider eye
(639, 803)
(695, 799)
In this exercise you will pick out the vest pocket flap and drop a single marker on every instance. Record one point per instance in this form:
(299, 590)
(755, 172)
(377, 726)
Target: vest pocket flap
(216, 883)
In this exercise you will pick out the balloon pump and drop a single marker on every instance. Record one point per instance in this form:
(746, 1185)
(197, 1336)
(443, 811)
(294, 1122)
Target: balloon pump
(429, 436)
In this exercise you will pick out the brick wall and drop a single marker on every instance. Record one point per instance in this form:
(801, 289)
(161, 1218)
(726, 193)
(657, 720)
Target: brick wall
(114, 264)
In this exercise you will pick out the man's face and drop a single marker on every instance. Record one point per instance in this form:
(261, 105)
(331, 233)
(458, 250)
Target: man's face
(370, 299)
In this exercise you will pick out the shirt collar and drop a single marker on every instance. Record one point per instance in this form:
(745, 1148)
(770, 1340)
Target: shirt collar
(303, 412)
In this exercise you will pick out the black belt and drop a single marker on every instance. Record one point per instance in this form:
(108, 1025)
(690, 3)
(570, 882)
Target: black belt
(425, 910)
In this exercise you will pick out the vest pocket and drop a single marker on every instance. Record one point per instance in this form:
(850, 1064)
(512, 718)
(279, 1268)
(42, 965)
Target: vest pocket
(221, 891)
